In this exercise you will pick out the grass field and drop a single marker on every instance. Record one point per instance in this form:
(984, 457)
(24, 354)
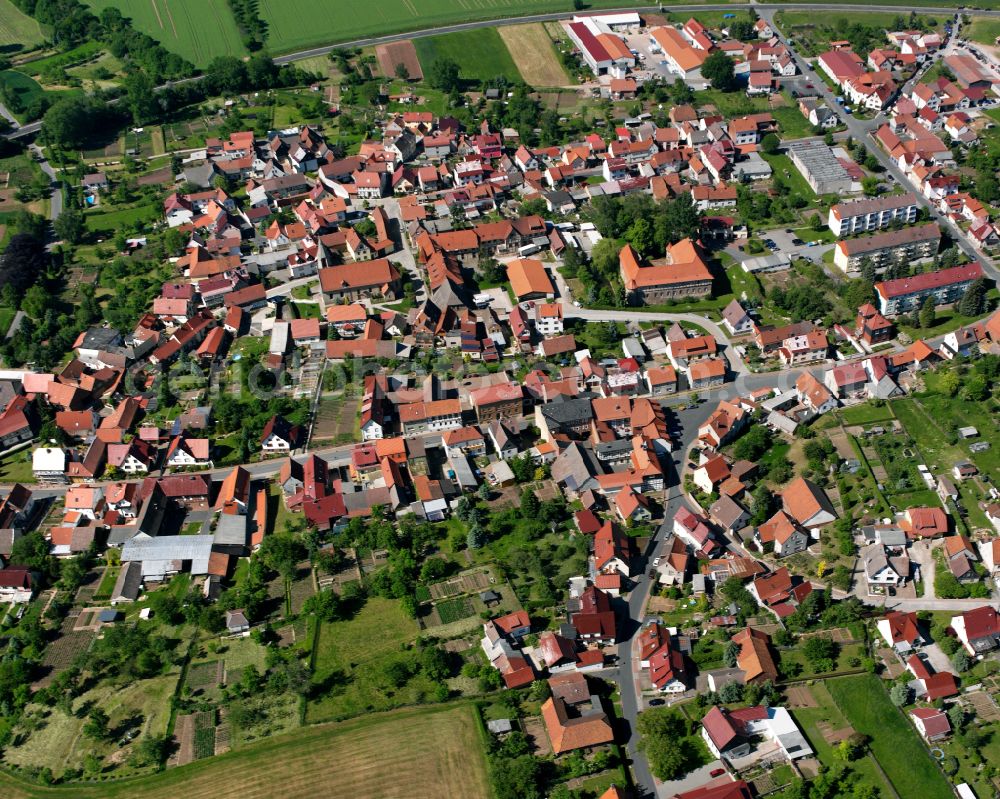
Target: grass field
(894, 742)
(196, 30)
(58, 742)
(532, 51)
(26, 87)
(438, 750)
(480, 54)
(298, 24)
(351, 658)
(827, 713)
(983, 30)
(18, 31)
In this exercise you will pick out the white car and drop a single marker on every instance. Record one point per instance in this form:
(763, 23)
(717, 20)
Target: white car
(656, 561)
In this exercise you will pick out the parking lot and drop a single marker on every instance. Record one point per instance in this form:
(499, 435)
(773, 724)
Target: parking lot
(652, 64)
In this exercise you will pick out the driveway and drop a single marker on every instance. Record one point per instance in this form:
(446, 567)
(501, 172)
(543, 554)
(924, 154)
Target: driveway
(922, 555)
(938, 659)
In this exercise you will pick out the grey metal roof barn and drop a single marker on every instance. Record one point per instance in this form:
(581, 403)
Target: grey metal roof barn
(167, 554)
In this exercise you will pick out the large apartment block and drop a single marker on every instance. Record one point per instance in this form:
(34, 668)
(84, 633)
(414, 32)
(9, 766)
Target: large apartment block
(864, 216)
(889, 247)
(909, 293)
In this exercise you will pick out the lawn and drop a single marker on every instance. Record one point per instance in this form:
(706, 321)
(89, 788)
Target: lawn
(107, 584)
(101, 222)
(438, 749)
(481, 54)
(865, 414)
(732, 104)
(351, 658)
(16, 467)
(783, 167)
(18, 31)
(793, 125)
(894, 742)
(196, 30)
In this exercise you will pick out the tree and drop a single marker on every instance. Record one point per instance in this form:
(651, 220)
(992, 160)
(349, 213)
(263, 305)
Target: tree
(820, 652)
(731, 692)
(36, 302)
(869, 185)
(32, 550)
(927, 313)
(976, 388)
(960, 660)
(164, 396)
(973, 302)
(868, 273)
(731, 654)
(402, 72)
(742, 30)
(770, 143)
(70, 226)
(444, 75)
(476, 538)
(530, 505)
(753, 444)
(640, 236)
(71, 120)
(97, 725)
(949, 383)
(718, 69)
(140, 95)
(899, 694)
(22, 261)
(665, 742)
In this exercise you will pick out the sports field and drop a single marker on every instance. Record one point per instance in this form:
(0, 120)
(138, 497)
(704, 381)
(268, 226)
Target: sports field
(480, 54)
(532, 51)
(17, 28)
(198, 30)
(420, 753)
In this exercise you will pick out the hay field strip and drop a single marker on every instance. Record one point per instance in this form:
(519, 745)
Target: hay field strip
(535, 55)
(437, 749)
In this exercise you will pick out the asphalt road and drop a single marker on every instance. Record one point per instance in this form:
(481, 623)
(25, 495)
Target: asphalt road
(687, 423)
(55, 197)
